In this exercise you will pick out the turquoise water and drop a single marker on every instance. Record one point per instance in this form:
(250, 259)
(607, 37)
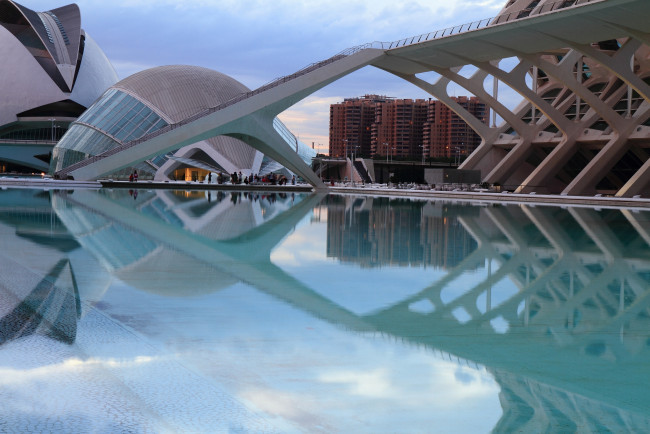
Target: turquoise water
(178, 311)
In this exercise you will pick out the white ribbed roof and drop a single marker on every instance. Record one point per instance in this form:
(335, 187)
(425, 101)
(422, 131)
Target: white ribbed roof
(180, 91)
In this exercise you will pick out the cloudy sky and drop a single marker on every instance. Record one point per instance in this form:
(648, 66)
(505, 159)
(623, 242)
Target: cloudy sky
(255, 41)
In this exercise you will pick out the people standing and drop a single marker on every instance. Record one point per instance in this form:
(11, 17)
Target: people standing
(135, 175)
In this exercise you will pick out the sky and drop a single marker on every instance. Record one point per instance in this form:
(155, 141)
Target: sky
(256, 41)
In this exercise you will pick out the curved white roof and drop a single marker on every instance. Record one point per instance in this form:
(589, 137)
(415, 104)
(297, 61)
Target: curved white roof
(29, 81)
(179, 91)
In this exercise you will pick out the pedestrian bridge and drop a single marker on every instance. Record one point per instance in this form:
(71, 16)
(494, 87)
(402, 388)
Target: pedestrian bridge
(573, 24)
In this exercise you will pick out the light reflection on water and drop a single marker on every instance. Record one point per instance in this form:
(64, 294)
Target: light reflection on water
(197, 311)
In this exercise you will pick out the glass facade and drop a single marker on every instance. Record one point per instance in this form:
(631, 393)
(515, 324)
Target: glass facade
(122, 116)
(117, 118)
(303, 151)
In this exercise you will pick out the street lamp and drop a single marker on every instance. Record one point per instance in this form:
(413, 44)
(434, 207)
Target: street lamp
(351, 163)
(345, 153)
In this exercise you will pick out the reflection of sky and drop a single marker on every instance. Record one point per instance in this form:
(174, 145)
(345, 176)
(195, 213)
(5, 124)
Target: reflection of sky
(500, 292)
(304, 374)
(238, 360)
(360, 290)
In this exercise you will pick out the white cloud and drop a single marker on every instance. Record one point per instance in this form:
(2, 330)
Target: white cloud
(369, 384)
(309, 120)
(459, 383)
(13, 376)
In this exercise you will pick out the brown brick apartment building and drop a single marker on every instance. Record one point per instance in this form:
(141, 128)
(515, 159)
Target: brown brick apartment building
(375, 125)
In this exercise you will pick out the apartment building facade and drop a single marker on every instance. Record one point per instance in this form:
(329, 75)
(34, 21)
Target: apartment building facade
(373, 126)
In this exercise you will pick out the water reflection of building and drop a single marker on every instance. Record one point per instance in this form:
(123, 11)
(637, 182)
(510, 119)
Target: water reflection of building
(40, 284)
(558, 311)
(138, 258)
(561, 317)
(375, 232)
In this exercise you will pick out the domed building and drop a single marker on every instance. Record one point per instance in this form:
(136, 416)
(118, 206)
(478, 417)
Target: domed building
(157, 97)
(52, 70)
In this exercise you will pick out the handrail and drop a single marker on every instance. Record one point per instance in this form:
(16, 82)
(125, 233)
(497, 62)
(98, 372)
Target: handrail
(462, 28)
(29, 141)
(499, 19)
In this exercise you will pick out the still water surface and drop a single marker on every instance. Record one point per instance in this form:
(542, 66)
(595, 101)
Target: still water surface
(177, 311)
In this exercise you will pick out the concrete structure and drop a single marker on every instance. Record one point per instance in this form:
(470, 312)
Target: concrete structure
(451, 176)
(599, 38)
(51, 71)
(152, 99)
(583, 127)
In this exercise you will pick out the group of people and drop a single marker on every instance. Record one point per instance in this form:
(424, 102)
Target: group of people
(238, 178)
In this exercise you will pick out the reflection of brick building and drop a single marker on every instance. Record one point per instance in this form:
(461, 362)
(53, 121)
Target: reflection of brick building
(396, 232)
(404, 128)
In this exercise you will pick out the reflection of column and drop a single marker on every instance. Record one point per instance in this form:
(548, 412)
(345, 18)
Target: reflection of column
(50, 308)
(522, 257)
(642, 226)
(527, 299)
(609, 244)
(488, 297)
(246, 260)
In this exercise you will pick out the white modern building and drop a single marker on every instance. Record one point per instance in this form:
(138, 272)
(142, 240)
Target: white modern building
(156, 98)
(583, 127)
(51, 71)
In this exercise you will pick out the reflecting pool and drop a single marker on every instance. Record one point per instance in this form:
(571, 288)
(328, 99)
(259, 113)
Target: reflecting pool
(187, 311)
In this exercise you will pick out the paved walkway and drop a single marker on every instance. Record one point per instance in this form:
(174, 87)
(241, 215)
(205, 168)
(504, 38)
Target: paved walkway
(359, 189)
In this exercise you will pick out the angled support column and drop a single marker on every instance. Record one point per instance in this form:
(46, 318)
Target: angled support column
(619, 64)
(554, 162)
(516, 79)
(596, 169)
(438, 90)
(257, 131)
(637, 183)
